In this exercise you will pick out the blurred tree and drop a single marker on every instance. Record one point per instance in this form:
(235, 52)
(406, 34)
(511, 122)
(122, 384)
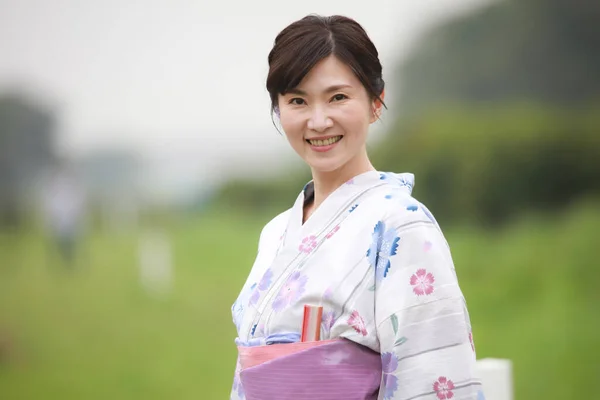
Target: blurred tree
(541, 50)
(26, 148)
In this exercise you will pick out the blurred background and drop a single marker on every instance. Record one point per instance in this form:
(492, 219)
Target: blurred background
(138, 163)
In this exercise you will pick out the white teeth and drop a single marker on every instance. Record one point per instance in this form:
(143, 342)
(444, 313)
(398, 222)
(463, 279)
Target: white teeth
(325, 142)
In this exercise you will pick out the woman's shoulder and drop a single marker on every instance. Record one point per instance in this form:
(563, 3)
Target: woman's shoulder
(276, 225)
(401, 208)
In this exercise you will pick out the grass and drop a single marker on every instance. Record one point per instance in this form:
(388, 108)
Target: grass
(94, 333)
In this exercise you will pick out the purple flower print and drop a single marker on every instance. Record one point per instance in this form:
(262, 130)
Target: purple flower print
(389, 364)
(255, 296)
(308, 244)
(291, 291)
(328, 320)
(262, 285)
(350, 181)
(237, 383)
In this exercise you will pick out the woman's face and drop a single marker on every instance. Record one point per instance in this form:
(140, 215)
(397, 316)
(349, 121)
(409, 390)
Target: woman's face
(327, 116)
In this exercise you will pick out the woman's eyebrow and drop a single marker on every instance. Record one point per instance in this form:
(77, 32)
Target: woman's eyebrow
(330, 89)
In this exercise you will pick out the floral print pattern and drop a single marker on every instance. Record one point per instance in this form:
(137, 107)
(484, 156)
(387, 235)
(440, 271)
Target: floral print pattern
(389, 364)
(471, 341)
(357, 323)
(422, 282)
(263, 285)
(412, 207)
(367, 280)
(290, 292)
(308, 244)
(332, 232)
(427, 246)
(383, 245)
(329, 319)
(237, 384)
(443, 388)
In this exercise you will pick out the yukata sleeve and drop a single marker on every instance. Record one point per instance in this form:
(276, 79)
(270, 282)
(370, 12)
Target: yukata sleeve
(422, 320)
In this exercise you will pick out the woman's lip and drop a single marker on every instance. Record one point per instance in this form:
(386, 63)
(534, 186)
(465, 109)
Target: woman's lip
(322, 149)
(323, 137)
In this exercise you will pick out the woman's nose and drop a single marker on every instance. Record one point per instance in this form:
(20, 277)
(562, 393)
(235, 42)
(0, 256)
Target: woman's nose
(319, 120)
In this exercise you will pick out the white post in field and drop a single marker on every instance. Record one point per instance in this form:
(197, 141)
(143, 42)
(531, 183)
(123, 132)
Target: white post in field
(496, 378)
(155, 262)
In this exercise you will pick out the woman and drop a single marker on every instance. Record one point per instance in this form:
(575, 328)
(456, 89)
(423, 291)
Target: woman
(354, 242)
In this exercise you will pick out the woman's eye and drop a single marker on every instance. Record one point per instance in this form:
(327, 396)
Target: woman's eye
(339, 97)
(297, 101)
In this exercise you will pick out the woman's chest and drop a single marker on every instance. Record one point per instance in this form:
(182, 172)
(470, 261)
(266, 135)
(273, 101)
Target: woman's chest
(332, 271)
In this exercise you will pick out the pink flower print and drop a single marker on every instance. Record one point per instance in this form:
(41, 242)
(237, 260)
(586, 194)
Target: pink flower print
(357, 323)
(333, 231)
(427, 246)
(443, 387)
(422, 282)
(471, 341)
(291, 291)
(308, 244)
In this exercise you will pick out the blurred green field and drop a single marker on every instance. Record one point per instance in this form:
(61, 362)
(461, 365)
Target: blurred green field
(94, 333)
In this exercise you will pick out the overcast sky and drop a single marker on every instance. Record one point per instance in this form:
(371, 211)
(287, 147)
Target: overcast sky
(178, 77)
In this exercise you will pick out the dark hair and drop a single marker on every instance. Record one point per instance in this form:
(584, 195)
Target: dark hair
(302, 44)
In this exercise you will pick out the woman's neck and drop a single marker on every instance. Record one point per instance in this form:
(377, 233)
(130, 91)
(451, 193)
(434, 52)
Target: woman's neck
(326, 183)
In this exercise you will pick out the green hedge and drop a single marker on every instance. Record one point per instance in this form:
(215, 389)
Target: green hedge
(487, 164)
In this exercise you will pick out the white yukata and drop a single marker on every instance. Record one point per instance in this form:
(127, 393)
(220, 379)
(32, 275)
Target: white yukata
(377, 262)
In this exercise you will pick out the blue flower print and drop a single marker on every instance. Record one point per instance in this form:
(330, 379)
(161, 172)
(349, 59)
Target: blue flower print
(389, 364)
(354, 207)
(238, 312)
(388, 248)
(405, 182)
(383, 245)
(412, 207)
(480, 395)
(376, 238)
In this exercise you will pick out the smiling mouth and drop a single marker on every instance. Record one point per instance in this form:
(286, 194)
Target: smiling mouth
(326, 142)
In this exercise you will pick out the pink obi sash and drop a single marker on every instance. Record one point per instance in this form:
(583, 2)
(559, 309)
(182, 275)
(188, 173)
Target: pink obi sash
(325, 370)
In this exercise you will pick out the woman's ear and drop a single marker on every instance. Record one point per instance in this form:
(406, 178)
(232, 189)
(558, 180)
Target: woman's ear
(377, 107)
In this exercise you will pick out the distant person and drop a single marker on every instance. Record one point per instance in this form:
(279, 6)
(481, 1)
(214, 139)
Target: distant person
(64, 212)
(394, 320)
